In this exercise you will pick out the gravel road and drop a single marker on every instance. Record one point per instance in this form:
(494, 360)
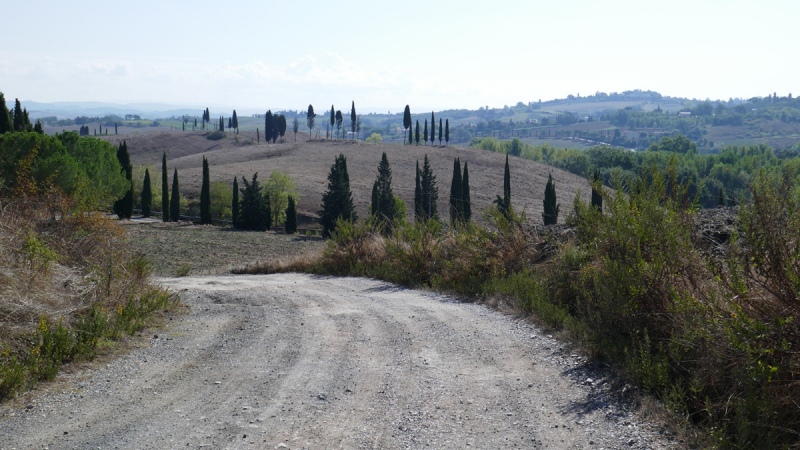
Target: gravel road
(297, 361)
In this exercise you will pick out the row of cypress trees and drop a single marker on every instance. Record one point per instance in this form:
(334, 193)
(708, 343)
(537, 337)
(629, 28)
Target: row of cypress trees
(444, 130)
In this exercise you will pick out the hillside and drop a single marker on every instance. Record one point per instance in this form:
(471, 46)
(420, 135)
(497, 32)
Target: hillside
(308, 162)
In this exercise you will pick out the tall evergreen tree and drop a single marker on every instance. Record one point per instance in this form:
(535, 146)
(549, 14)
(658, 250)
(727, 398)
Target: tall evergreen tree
(440, 131)
(230, 122)
(433, 128)
(337, 201)
(268, 126)
(425, 135)
(597, 199)
(291, 216)
(416, 134)
(339, 121)
(164, 189)
(255, 212)
(295, 127)
(235, 121)
(456, 198)
(310, 118)
(429, 191)
(123, 207)
(407, 121)
(39, 129)
(353, 118)
(19, 120)
(551, 207)
(333, 120)
(282, 125)
(418, 196)
(374, 202)
(6, 124)
(410, 135)
(258, 136)
(386, 205)
(235, 203)
(175, 199)
(504, 203)
(147, 195)
(221, 123)
(465, 197)
(116, 131)
(205, 195)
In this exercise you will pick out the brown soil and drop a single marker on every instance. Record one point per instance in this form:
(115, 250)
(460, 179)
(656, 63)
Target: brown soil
(308, 162)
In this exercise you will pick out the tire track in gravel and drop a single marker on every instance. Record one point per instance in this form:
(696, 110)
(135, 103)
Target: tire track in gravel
(297, 361)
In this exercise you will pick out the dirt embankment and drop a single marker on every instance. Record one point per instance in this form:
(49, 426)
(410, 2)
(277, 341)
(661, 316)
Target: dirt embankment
(295, 361)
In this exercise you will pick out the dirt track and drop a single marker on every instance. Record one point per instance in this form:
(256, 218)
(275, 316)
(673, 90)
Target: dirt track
(295, 361)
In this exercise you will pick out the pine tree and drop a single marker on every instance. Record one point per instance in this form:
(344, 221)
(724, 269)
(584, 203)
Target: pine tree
(333, 119)
(466, 201)
(407, 121)
(235, 204)
(291, 216)
(504, 203)
(205, 195)
(353, 118)
(425, 135)
(38, 127)
(6, 124)
(551, 207)
(416, 134)
(597, 199)
(386, 205)
(123, 207)
(433, 128)
(375, 202)
(440, 132)
(255, 212)
(429, 191)
(455, 193)
(147, 195)
(19, 121)
(337, 201)
(164, 189)
(310, 117)
(175, 199)
(418, 196)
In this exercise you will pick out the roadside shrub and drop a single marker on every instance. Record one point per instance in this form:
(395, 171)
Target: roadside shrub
(215, 135)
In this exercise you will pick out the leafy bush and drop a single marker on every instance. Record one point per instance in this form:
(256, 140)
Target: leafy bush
(215, 135)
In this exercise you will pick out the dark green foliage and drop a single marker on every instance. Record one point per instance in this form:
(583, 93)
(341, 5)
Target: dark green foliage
(410, 135)
(416, 134)
(425, 134)
(455, 193)
(19, 119)
(430, 192)
(295, 127)
(291, 217)
(269, 126)
(123, 207)
(551, 206)
(6, 123)
(374, 202)
(721, 201)
(597, 199)
(147, 195)
(221, 124)
(407, 122)
(386, 210)
(205, 195)
(504, 203)
(333, 117)
(337, 201)
(339, 121)
(235, 203)
(255, 213)
(466, 201)
(433, 128)
(440, 131)
(353, 118)
(258, 136)
(418, 196)
(38, 127)
(281, 125)
(447, 131)
(175, 199)
(164, 189)
(235, 121)
(310, 118)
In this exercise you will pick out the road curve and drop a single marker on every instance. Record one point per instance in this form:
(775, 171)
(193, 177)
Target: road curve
(298, 361)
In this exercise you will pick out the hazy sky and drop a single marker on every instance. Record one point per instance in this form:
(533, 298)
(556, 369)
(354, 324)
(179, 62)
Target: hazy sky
(429, 54)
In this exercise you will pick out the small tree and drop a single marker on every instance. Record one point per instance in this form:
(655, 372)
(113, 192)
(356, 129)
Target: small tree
(504, 203)
(440, 132)
(407, 122)
(425, 135)
(410, 135)
(175, 200)
(416, 134)
(164, 189)
(597, 199)
(291, 217)
(235, 203)
(295, 127)
(353, 118)
(374, 201)
(282, 125)
(278, 188)
(310, 118)
(456, 198)
(115, 128)
(254, 212)
(433, 128)
(124, 206)
(147, 195)
(383, 184)
(205, 195)
(337, 201)
(339, 121)
(466, 208)
(235, 121)
(269, 125)
(551, 207)
(430, 192)
(333, 118)
(418, 196)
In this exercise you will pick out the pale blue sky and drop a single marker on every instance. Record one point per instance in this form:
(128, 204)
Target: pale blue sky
(429, 54)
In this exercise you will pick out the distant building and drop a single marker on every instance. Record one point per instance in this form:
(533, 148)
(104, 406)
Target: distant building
(685, 114)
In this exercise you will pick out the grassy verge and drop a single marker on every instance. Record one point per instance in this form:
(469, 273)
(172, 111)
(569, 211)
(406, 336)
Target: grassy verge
(708, 327)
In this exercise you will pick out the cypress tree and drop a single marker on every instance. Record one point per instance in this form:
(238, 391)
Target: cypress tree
(255, 212)
(504, 203)
(230, 123)
(440, 131)
(455, 193)
(339, 121)
(235, 203)
(175, 200)
(282, 125)
(115, 129)
(466, 201)
(19, 121)
(429, 191)
(425, 135)
(333, 118)
(221, 123)
(205, 195)
(101, 128)
(353, 117)
(124, 206)
(235, 121)
(386, 206)
(268, 126)
(375, 201)
(295, 127)
(184, 126)
(551, 207)
(410, 135)
(164, 189)
(258, 137)
(310, 116)
(433, 128)
(597, 200)
(337, 201)
(291, 217)
(418, 196)
(147, 195)
(407, 121)
(416, 135)
(6, 123)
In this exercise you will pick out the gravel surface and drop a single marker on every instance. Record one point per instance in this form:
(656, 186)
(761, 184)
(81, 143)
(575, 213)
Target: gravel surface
(297, 361)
